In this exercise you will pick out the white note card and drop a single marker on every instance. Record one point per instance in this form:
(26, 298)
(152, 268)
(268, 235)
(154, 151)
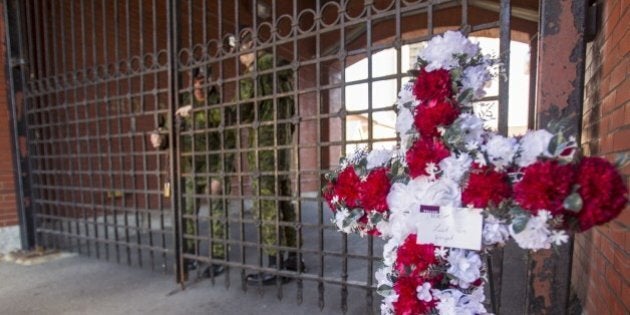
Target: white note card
(450, 227)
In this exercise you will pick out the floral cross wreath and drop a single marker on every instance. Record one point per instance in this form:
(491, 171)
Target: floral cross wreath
(452, 176)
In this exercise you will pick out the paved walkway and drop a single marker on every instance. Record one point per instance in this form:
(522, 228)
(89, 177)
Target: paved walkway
(80, 285)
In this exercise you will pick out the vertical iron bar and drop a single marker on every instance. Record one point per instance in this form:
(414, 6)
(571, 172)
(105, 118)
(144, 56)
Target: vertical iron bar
(370, 239)
(77, 130)
(50, 104)
(239, 145)
(62, 100)
(39, 144)
(193, 158)
(174, 161)
(504, 77)
(99, 167)
(296, 150)
(76, 113)
(132, 132)
(105, 100)
(320, 208)
(142, 108)
(156, 106)
(464, 25)
(17, 82)
(30, 103)
(274, 74)
(118, 101)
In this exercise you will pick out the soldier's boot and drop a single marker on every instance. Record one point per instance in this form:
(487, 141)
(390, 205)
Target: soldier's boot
(264, 277)
(292, 264)
(214, 270)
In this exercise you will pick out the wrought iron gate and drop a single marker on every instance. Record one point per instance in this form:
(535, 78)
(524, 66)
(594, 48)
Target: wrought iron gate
(94, 79)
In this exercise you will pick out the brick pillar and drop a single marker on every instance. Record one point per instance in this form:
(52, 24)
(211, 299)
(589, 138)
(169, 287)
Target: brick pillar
(601, 271)
(9, 230)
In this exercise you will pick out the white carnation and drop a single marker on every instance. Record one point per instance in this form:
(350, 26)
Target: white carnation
(454, 167)
(387, 307)
(389, 252)
(424, 292)
(532, 145)
(471, 128)
(384, 227)
(495, 231)
(441, 51)
(340, 216)
(382, 276)
(442, 192)
(406, 99)
(501, 151)
(455, 302)
(465, 266)
(404, 202)
(475, 78)
(404, 121)
(536, 234)
(378, 158)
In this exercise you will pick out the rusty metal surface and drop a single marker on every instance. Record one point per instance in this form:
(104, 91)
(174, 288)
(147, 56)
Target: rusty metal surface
(560, 81)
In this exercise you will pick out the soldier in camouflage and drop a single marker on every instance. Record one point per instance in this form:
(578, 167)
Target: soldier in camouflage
(199, 170)
(271, 136)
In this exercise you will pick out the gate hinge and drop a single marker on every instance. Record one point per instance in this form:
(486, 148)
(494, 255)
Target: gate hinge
(593, 21)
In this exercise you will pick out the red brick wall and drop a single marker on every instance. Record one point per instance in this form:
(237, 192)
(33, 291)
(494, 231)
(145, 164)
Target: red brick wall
(601, 269)
(8, 209)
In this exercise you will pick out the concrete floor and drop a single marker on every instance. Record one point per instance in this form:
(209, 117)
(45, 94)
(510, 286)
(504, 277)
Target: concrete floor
(81, 285)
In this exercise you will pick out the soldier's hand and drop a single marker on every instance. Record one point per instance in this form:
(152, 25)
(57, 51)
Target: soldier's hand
(183, 111)
(156, 139)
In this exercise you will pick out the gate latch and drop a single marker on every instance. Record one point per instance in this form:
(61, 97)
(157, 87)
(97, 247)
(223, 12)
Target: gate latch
(167, 190)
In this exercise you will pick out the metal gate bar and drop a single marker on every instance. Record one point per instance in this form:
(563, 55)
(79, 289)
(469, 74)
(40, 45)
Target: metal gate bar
(91, 171)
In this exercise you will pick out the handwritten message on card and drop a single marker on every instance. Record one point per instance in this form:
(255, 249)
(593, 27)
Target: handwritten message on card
(450, 227)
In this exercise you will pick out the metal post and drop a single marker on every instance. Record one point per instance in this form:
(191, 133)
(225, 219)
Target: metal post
(172, 21)
(15, 70)
(560, 87)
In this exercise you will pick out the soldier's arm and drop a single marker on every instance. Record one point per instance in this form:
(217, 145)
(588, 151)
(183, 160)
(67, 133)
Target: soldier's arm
(159, 136)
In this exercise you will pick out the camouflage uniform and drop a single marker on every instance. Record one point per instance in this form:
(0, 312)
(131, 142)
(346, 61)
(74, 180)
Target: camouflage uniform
(202, 162)
(262, 137)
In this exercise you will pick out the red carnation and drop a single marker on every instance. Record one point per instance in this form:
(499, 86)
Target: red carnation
(346, 187)
(423, 152)
(434, 85)
(414, 257)
(432, 114)
(603, 192)
(486, 186)
(544, 186)
(363, 223)
(373, 191)
(408, 302)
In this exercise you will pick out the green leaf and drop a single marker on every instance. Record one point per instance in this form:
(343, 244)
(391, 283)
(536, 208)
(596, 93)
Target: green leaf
(376, 218)
(391, 277)
(384, 290)
(519, 223)
(354, 216)
(553, 144)
(517, 211)
(573, 202)
(464, 95)
(395, 168)
(622, 160)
